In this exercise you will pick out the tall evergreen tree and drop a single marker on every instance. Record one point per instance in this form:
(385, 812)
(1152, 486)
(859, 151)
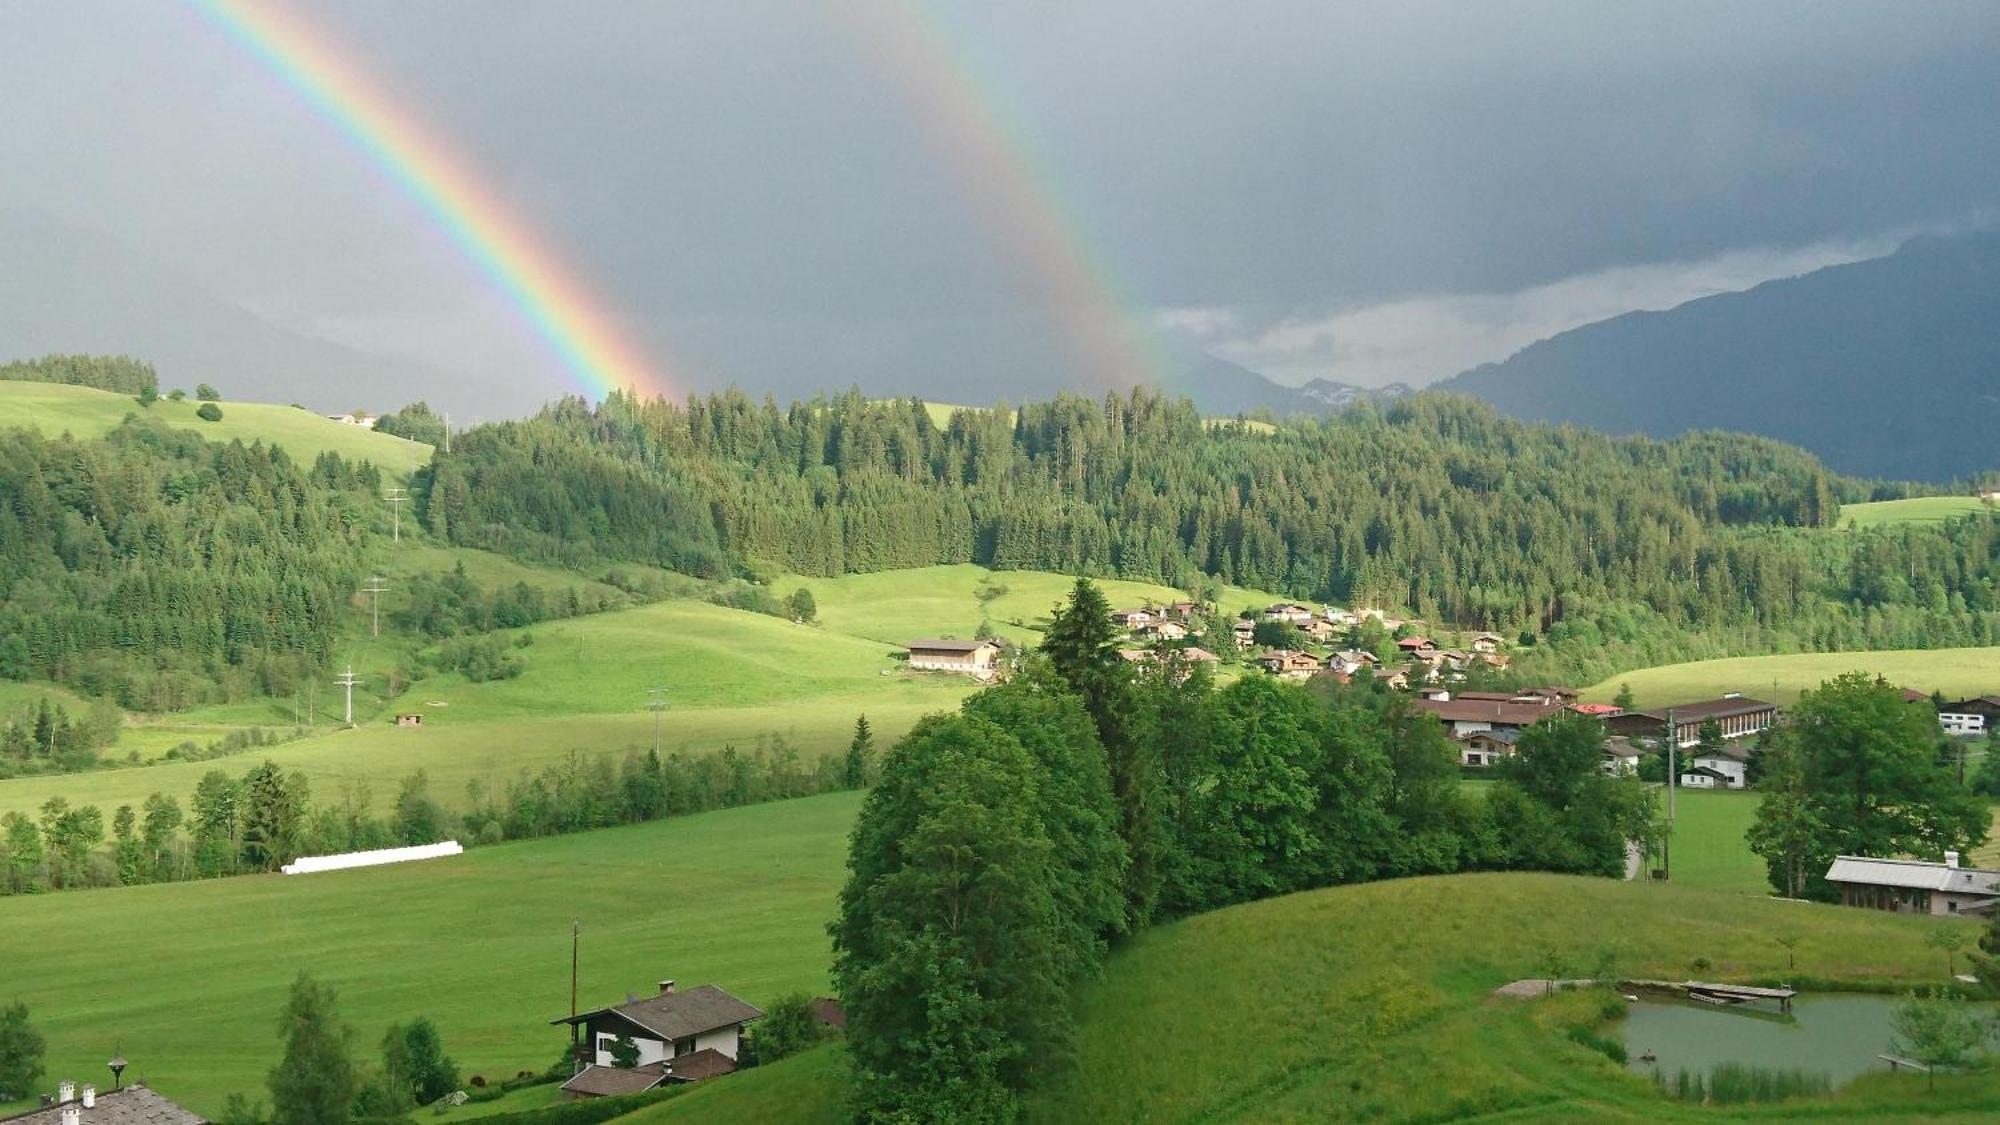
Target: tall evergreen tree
(854, 768)
(314, 1082)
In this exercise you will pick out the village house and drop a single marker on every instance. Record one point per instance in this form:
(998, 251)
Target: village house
(1416, 646)
(1487, 642)
(1487, 747)
(1970, 716)
(1136, 655)
(1345, 619)
(1498, 660)
(1738, 715)
(1621, 757)
(137, 1104)
(1319, 629)
(1244, 631)
(1914, 886)
(1134, 618)
(1288, 611)
(677, 1037)
(1290, 665)
(1725, 768)
(1351, 660)
(972, 658)
(1476, 712)
(1165, 630)
(1595, 710)
(1182, 611)
(1199, 655)
(359, 418)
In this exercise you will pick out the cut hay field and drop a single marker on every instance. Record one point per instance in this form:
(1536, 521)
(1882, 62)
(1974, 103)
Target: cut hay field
(1956, 672)
(87, 412)
(187, 979)
(1371, 1003)
(1921, 509)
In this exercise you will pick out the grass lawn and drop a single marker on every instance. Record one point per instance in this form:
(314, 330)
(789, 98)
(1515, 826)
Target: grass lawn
(898, 606)
(1709, 848)
(1371, 1002)
(1921, 509)
(90, 413)
(1957, 672)
(187, 979)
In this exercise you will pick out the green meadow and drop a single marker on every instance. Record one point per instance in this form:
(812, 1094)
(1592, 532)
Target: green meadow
(1372, 1002)
(1921, 509)
(86, 412)
(1956, 672)
(187, 979)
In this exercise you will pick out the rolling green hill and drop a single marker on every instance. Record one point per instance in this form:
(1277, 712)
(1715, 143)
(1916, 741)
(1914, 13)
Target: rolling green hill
(1956, 672)
(1920, 509)
(88, 413)
(1371, 1002)
(187, 979)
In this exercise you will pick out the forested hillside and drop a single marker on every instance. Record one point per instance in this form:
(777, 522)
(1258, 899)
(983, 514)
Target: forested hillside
(161, 570)
(1700, 545)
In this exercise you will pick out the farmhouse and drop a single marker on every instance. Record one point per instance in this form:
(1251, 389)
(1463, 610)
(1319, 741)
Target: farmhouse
(1319, 629)
(1416, 646)
(1914, 886)
(1738, 715)
(675, 1037)
(974, 658)
(1288, 611)
(1621, 757)
(1244, 630)
(1134, 618)
(1971, 716)
(136, 1104)
(1487, 747)
(1487, 642)
(1165, 630)
(409, 719)
(1476, 712)
(1288, 664)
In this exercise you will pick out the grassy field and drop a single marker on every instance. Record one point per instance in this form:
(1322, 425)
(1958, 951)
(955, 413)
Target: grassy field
(1371, 1002)
(89, 413)
(902, 605)
(1957, 672)
(1922, 509)
(187, 979)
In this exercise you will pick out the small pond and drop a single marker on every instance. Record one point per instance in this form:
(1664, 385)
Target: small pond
(1836, 1034)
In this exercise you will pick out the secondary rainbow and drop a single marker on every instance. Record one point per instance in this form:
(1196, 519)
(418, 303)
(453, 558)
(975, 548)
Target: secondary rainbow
(557, 305)
(1013, 192)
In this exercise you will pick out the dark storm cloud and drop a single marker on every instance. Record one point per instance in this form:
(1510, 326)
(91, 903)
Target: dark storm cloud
(746, 188)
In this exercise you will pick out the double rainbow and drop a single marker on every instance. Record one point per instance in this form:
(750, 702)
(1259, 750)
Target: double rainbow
(554, 302)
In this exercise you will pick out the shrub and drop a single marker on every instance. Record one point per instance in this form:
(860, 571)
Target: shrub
(208, 412)
(1737, 1084)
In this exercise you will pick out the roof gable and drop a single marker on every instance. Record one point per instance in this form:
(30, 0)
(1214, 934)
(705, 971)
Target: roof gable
(677, 1015)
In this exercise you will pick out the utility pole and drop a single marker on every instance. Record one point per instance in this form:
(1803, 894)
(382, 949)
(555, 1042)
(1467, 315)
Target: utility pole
(347, 680)
(447, 432)
(658, 703)
(374, 591)
(396, 498)
(575, 928)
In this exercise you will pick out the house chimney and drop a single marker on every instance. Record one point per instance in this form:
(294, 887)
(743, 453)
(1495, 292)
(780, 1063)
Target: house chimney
(89, 1097)
(71, 1115)
(666, 988)
(66, 1092)
(1951, 859)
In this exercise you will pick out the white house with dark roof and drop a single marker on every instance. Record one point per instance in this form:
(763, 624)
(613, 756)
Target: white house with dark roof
(973, 658)
(677, 1036)
(1914, 886)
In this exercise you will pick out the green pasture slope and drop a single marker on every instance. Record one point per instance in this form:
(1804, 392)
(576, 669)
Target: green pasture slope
(1921, 509)
(187, 979)
(731, 677)
(1956, 672)
(90, 413)
(1372, 1002)
(898, 606)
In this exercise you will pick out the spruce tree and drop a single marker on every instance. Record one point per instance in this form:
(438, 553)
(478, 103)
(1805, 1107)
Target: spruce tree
(314, 1082)
(854, 769)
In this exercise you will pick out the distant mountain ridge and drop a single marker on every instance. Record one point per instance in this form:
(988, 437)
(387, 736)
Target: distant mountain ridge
(69, 289)
(1219, 387)
(1888, 367)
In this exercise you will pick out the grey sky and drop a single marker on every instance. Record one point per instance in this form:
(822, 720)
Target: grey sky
(1315, 185)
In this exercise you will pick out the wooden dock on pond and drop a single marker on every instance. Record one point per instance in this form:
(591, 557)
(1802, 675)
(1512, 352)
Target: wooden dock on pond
(1711, 993)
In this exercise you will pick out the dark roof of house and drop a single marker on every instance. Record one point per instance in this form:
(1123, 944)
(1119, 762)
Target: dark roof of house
(1976, 703)
(677, 1015)
(1726, 707)
(1487, 711)
(136, 1104)
(697, 1065)
(948, 646)
(610, 1081)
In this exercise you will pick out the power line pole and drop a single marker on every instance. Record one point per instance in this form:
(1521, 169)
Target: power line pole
(447, 432)
(347, 680)
(374, 590)
(575, 928)
(396, 498)
(1673, 782)
(658, 703)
